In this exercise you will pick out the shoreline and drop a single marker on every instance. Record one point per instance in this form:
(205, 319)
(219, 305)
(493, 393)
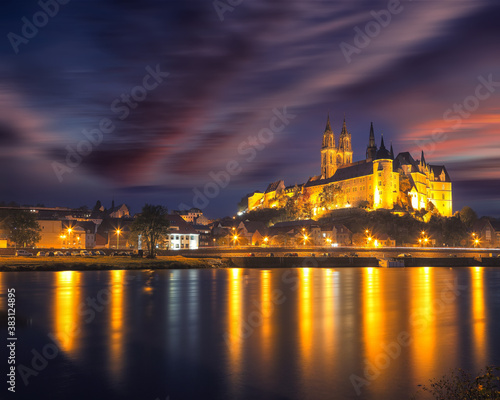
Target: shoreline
(108, 263)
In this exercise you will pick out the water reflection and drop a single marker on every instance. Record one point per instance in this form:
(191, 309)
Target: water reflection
(478, 313)
(423, 321)
(235, 337)
(174, 310)
(116, 324)
(329, 334)
(332, 323)
(267, 309)
(68, 307)
(305, 318)
(373, 315)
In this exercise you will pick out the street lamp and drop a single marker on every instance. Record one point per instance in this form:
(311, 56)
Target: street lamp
(305, 239)
(235, 238)
(118, 231)
(69, 235)
(62, 240)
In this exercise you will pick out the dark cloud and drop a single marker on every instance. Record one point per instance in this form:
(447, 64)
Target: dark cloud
(225, 79)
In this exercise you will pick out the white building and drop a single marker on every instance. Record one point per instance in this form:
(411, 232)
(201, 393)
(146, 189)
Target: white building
(182, 236)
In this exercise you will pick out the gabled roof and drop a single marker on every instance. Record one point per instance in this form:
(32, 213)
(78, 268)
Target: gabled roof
(405, 158)
(438, 169)
(253, 226)
(274, 186)
(179, 222)
(361, 168)
(481, 224)
(354, 170)
(495, 225)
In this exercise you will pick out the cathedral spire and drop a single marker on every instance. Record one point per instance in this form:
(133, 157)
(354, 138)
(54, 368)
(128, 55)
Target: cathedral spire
(422, 159)
(328, 127)
(382, 145)
(344, 128)
(392, 151)
(371, 150)
(372, 137)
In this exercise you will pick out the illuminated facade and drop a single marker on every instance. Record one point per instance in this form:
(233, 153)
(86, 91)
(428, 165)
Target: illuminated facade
(374, 181)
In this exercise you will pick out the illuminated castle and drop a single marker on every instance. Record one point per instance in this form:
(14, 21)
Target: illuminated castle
(373, 182)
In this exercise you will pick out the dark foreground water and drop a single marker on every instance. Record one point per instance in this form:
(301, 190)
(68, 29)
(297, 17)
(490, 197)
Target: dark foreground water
(248, 334)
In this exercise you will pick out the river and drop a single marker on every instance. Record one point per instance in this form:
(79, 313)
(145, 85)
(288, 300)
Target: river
(305, 333)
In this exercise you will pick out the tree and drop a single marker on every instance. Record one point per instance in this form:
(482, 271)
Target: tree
(152, 224)
(331, 197)
(468, 216)
(23, 228)
(404, 188)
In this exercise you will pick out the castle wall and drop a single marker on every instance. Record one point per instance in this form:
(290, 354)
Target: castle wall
(441, 197)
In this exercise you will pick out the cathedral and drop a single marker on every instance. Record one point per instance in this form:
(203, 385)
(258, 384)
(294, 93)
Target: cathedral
(374, 182)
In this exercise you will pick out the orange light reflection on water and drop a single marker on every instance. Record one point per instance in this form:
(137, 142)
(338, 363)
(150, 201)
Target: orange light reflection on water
(67, 301)
(234, 339)
(267, 308)
(478, 313)
(373, 319)
(305, 318)
(423, 322)
(116, 323)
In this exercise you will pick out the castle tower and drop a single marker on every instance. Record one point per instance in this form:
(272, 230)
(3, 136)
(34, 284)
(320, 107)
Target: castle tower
(383, 178)
(371, 150)
(328, 152)
(345, 147)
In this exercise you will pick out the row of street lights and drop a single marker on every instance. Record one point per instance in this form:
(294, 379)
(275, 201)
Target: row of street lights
(70, 230)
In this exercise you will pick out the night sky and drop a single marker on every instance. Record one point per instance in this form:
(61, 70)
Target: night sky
(219, 74)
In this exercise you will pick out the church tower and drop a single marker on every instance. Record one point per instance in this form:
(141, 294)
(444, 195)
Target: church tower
(345, 147)
(371, 150)
(328, 152)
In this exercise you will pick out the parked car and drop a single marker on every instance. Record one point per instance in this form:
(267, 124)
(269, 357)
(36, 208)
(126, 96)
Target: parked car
(75, 253)
(270, 255)
(251, 254)
(49, 254)
(58, 253)
(100, 253)
(40, 254)
(67, 253)
(84, 253)
(93, 253)
(313, 254)
(23, 253)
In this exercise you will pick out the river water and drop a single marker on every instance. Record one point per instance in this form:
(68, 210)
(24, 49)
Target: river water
(305, 333)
